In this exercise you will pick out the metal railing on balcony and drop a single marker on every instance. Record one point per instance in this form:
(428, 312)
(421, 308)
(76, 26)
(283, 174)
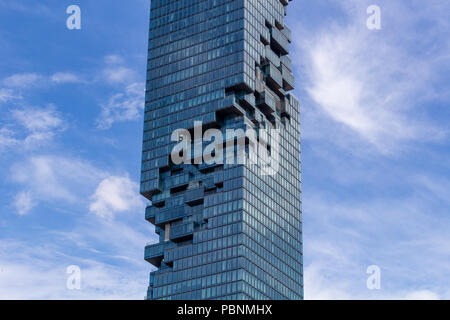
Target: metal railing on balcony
(273, 76)
(170, 214)
(287, 33)
(287, 62)
(190, 211)
(154, 253)
(288, 79)
(176, 181)
(150, 212)
(272, 56)
(230, 104)
(181, 231)
(208, 183)
(247, 99)
(194, 195)
(279, 41)
(266, 102)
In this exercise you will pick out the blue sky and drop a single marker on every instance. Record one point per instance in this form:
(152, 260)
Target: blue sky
(375, 129)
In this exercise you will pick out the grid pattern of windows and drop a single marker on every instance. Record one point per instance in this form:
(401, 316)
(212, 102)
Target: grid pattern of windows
(226, 230)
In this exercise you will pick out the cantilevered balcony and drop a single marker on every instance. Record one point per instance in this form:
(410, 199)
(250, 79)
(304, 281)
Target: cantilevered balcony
(272, 56)
(279, 41)
(287, 62)
(205, 167)
(230, 104)
(192, 211)
(177, 181)
(287, 33)
(288, 79)
(165, 215)
(154, 253)
(218, 177)
(273, 76)
(194, 196)
(151, 187)
(266, 103)
(255, 117)
(182, 232)
(208, 183)
(150, 213)
(247, 100)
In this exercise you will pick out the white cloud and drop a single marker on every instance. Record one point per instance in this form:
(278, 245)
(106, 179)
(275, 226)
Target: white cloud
(30, 271)
(123, 106)
(7, 138)
(115, 71)
(65, 77)
(36, 120)
(8, 95)
(113, 59)
(24, 203)
(321, 285)
(318, 287)
(54, 178)
(126, 105)
(116, 194)
(31, 127)
(368, 83)
(421, 295)
(345, 236)
(34, 9)
(118, 74)
(108, 251)
(375, 93)
(22, 80)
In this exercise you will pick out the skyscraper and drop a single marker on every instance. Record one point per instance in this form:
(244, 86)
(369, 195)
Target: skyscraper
(230, 230)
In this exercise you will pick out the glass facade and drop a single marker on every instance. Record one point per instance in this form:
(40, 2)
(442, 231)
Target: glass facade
(226, 231)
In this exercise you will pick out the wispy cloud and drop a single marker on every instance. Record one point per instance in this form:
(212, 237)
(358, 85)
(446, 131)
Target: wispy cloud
(7, 138)
(8, 95)
(36, 120)
(124, 106)
(51, 179)
(421, 295)
(113, 59)
(31, 127)
(116, 194)
(22, 80)
(24, 203)
(345, 236)
(35, 8)
(108, 251)
(65, 77)
(48, 178)
(320, 286)
(368, 83)
(118, 74)
(115, 71)
(39, 271)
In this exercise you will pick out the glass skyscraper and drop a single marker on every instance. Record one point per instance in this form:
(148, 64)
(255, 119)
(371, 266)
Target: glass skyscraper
(226, 231)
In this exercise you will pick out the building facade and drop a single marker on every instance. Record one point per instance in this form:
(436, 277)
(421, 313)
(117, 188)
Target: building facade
(230, 230)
